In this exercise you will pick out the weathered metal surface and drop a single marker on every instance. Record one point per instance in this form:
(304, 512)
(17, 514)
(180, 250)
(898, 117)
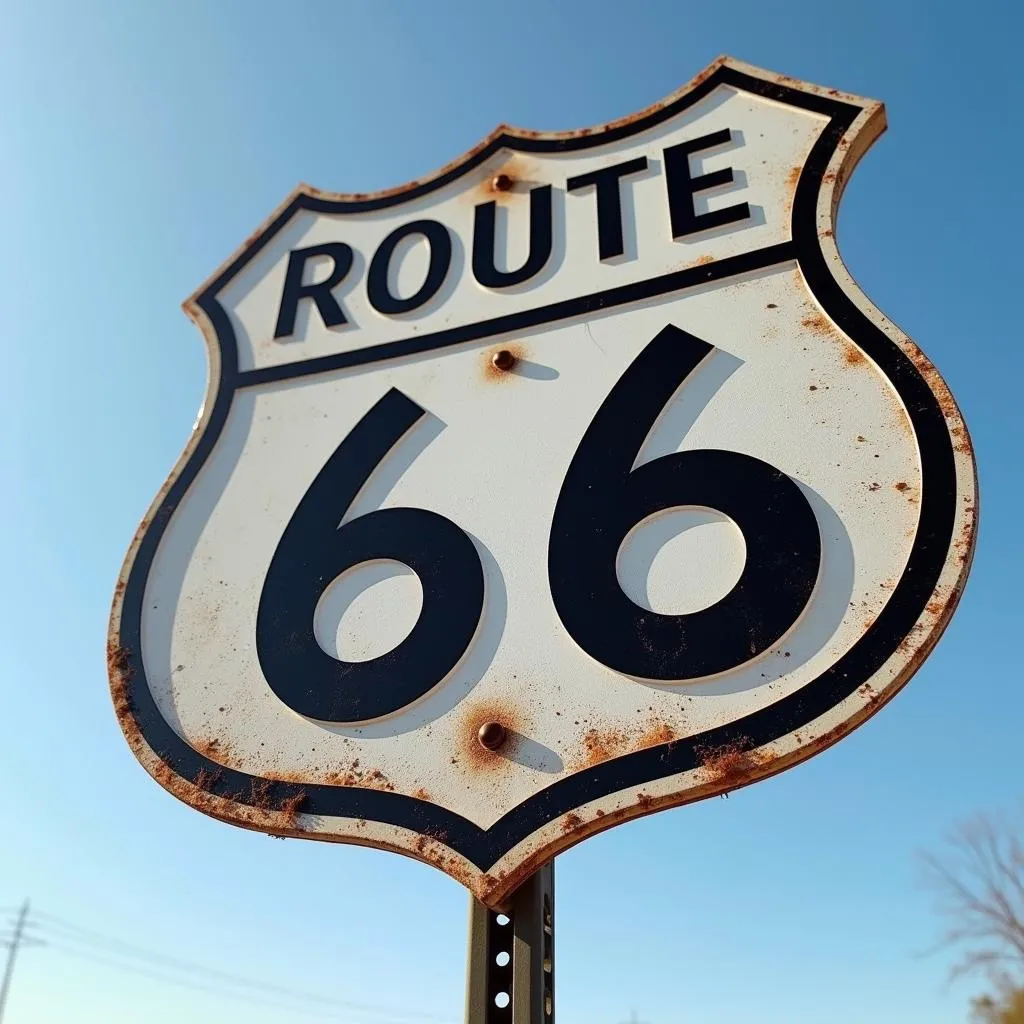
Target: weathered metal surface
(805, 375)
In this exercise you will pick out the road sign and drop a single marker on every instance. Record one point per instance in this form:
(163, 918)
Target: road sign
(574, 481)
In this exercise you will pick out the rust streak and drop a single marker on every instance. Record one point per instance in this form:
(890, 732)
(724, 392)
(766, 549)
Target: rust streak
(120, 673)
(732, 765)
(571, 822)
(214, 750)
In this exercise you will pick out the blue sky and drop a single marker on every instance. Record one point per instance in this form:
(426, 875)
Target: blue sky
(143, 142)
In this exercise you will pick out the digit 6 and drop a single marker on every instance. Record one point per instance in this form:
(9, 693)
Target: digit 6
(314, 550)
(603, 498)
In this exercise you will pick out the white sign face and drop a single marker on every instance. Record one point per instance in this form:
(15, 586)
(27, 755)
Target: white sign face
(574, 482)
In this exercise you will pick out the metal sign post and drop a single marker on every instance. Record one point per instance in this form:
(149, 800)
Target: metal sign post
(543, 493)
(511, 970)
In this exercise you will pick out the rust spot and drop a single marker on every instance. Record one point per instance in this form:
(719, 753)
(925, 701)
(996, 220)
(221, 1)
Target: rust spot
(902, 486)
(927, 370)
(793, 177)
(827, 233)
(291, 806)
(500, 362)
(206, 779)
(706, 258)
(260, 813)
(732, 765)
(829, 178)
(378, 780)
(259, 794)
(657, 735)
(604, 745)
(421, 794)
(214, 750)
(852, 355)
(360, 778)
(644, 801)
(771, 305)
(571, 822)
(818, 323)
(503, 183)
(867, 692)
(874, 486)
(425, 842)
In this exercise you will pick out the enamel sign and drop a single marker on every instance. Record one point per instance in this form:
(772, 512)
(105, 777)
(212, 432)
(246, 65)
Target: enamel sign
(575, 481)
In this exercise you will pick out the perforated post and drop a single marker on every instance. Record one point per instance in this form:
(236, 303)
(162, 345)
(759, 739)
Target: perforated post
(511, 977)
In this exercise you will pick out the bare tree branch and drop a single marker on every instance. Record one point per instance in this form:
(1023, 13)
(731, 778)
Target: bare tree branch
(978, 878)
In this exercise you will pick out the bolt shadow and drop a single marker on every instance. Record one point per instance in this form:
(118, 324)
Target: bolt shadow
(535, 371)
(531, 754)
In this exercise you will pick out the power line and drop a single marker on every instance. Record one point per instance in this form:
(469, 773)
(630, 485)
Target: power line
(223, 993)
(68, 931)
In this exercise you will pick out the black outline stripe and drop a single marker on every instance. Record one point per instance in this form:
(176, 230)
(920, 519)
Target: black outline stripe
(676, 280)
(483, 847)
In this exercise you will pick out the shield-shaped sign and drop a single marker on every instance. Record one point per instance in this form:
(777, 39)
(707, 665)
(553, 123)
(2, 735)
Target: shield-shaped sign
(575, 481)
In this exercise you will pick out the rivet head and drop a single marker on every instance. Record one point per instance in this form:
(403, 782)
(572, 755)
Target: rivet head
(503, 359)
(492, 735)
(502, 182)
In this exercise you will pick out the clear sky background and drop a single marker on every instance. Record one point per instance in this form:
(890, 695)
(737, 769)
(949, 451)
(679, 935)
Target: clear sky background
(142, 142)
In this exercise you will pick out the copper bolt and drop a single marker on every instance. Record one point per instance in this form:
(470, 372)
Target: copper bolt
(502, 182)
(492, 735)
(503, 359)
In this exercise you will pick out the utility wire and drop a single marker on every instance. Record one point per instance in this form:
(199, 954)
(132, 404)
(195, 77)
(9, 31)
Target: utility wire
(68, 931)
(232, 994)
